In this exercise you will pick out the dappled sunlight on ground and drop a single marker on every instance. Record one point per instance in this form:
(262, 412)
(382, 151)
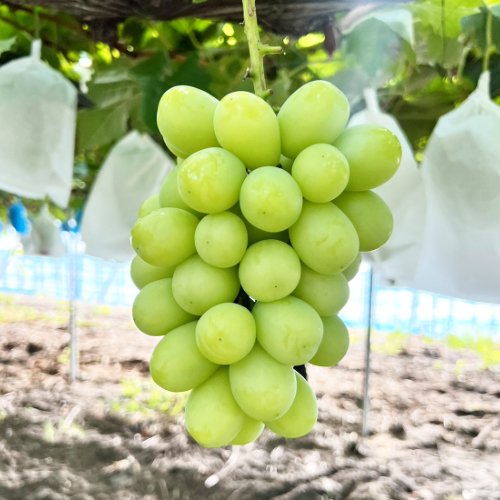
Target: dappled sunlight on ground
(114, 434)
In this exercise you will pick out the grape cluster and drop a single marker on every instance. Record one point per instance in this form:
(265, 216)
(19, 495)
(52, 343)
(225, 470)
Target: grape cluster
(243, 258)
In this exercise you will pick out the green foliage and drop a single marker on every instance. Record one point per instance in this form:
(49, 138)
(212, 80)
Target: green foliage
(474, 27)
(146, 399)
(54, 432)
(422, 68)
(392, 344)
(485, 347)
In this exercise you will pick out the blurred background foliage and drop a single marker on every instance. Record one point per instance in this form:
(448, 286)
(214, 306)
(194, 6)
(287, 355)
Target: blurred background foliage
(423, 65)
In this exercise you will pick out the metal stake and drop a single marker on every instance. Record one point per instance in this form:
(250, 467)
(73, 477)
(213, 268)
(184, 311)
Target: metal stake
(366, 378)
(73, 333)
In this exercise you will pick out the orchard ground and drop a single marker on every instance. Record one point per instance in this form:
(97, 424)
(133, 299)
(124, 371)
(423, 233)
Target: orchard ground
(114, 435)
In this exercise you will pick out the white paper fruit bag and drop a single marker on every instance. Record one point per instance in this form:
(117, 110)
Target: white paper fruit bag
(132, 171)
(396, 261)
(461, 171)
(45, 237)
(38, 113)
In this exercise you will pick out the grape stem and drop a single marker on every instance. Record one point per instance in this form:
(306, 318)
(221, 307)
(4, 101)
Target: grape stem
(256, 49)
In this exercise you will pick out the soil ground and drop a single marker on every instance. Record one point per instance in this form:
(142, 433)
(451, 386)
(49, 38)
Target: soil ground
(434, 420)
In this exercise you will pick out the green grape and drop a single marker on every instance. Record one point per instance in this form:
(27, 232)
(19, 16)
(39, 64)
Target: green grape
(373, 153)
(213, 418)
(210, 180)
(315, 113)
(169, 193)
(286, 163)
(324, 238)
(302, 415)
(185, 120)
(269, 270)
(226, 333)
(351, 271)
(327, 293)
(270, 199)
(321, 171)
(198, 286)
(251, 430)
(155, 311)
(247, 126)
(143, 273)
(221, 239)
(335, 342)
(263, 388)
(370, 215)
(176, 364)
(149, 204)
(165, 237)
(289, 329)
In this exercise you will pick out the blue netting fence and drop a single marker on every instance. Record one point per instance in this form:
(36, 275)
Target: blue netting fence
(93, 280)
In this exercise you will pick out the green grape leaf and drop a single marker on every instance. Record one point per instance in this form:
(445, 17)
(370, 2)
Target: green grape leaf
(474, 27)
(99, 127)
(373, 47)
(152, 76)
(109, 94)
(443, 18)
(6, 45)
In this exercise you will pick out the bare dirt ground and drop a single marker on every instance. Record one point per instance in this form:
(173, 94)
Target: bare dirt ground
(113, 435)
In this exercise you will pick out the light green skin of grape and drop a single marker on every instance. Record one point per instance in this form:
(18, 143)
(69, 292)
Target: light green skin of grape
(165, 237)
(370, 215)
(155, 312)
(324, 238)
(351, 271)
(185, 120)
(212, 417)
(315, 113)
(327, 294)
(300, 419)
(321, 171)
(270, 199)
(176, 364)
(335, 342)
(149, 204)
(143, 273)
(221, 239)
(247, 126)
(226, 333)
(269, 270)
(169, 194)
(252, 429)
(263, 388)
(290, 330)
(254, 233)
(373, 154)
(198, 286)
(209, 181)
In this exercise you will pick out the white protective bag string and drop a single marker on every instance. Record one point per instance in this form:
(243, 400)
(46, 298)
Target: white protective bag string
(461, 170)
(396, 261)
(38, 113)
(133, 170)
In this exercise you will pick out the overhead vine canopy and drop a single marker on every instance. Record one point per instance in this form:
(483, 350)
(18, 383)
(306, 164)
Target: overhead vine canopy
(297, 17)
(423, 56)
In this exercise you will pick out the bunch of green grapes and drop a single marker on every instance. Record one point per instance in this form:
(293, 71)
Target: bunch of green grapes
(243, 258)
